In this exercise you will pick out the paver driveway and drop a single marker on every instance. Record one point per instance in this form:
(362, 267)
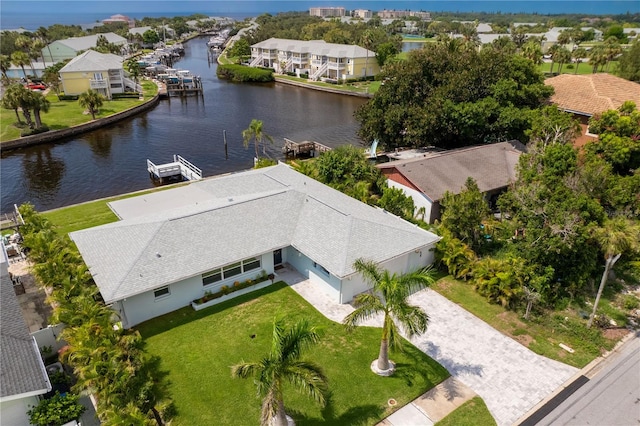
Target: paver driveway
(509, 377)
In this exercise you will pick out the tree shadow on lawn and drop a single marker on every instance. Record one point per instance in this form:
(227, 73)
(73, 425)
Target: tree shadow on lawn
(187, 314)
(358, 415)
(417, 370)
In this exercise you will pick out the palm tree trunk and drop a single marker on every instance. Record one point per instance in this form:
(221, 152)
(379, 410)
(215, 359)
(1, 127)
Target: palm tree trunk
(156, 415)
(383, 356)
(577, 65)
(18, 116)
(281, 415)
(608, 264)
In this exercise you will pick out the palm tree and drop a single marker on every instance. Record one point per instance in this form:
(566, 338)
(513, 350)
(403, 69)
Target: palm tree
(597, 58)
(39, 104)
(389, 297)
(43, 34)
(282, 365)
(367, 40)
(532, 51)
(615, 237)
(255, 132)
(5, 64)
(562, 56)
(552, 52)
(11, 99)
(21, 59)
(24, 44)
(92, 101)
(611, 49)
(578, 56)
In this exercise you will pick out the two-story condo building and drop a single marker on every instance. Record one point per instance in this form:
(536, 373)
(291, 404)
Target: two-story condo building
(317, 58)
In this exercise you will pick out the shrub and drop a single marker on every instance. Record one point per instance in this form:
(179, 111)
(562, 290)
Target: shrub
(264, 162)
(243, 74)
(29, 132)
(68, 97)
(629, 301)
(56, 411)
(225, 290)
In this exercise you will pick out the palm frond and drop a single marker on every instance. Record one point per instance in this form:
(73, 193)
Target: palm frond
(309, 378)
(367, 305)
(412, 318)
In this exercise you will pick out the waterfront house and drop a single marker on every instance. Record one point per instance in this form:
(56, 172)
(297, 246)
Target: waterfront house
(317, 58)
(102, 72)
(120, 18)
(589, 95)
(22, 372)
(428, 176)
(69, 48)
(170, 247)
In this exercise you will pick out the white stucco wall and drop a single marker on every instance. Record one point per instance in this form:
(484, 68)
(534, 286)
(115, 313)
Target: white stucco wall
(145, 306)
(355, 284)
(14, 412)
(329, 283)
(419, 199)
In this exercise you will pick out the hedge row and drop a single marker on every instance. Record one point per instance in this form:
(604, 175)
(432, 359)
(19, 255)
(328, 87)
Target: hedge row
(240, 73)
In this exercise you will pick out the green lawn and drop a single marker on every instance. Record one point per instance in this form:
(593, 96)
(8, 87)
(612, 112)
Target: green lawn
(65, 114)
(583, 68)
(472, 413)
(90, 214)
(197, 349)
(542, 334)
(357, 87)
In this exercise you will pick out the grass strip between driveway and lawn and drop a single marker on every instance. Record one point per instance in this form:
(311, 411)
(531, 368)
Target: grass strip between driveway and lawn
(472, 413)
(198, 348)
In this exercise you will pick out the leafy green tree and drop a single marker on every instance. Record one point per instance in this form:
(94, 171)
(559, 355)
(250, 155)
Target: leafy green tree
(629, 63)
(150, 37)
(464, 213)
(240, 49)
(615, 237)
(616, 31)
(256, 132)
(56, 411)
(389, 298)
(550, 125)
(385, 52)
(92, 101)
(282, 365)
(447, 97)
(395, 201)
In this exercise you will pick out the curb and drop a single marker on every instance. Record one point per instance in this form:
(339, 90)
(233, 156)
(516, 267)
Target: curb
(574, 382)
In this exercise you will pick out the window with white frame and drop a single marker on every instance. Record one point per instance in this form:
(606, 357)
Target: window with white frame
(232, 270)
(161, 292)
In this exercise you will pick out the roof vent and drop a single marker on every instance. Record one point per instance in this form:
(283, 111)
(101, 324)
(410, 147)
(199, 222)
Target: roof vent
(158, 255)
(230, 199)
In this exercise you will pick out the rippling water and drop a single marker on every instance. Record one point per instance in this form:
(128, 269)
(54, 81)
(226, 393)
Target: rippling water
(112, 160)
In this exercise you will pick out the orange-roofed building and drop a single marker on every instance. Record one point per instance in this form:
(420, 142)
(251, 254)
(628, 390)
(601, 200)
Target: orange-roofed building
(592, 94)
(120, 18)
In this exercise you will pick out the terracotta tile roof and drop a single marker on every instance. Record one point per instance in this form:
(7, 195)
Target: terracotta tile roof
(593, 93)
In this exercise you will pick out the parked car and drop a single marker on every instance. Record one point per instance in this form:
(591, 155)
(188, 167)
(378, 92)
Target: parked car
(36, 86)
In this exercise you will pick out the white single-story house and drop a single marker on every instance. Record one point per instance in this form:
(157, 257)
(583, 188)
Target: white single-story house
(60, 50)
(170, 247)
(316, 58)
(23, 377)
(426, 178)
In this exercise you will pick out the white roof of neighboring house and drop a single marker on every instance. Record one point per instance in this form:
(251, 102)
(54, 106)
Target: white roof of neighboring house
(84, 43)
(628, 30)
(22, 372)
(480, 28)
(315, 47)
(93, 61)
(168, 236)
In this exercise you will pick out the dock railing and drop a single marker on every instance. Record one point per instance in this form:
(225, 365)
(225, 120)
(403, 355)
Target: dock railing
(189, 171)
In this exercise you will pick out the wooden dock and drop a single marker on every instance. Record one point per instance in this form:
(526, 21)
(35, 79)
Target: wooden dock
(178, 169)
(303, 149)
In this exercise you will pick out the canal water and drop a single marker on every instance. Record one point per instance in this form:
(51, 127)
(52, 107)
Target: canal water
(112, 160)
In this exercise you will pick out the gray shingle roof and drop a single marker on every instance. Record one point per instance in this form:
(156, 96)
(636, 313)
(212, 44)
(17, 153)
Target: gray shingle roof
(21, 368)
(247, 214)
(492, 166)
(93, 61)
(87, 42)
(315, 47)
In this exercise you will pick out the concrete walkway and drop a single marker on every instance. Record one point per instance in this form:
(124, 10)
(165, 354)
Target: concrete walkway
(510, 378)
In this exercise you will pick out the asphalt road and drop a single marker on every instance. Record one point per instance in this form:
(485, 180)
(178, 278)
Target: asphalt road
(611, 397)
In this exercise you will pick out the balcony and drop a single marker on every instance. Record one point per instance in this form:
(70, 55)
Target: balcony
(98, 84)
(336, 65)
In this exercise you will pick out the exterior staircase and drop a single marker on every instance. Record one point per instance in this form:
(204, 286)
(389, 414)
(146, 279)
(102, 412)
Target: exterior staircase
(318, 73)
(256, 61)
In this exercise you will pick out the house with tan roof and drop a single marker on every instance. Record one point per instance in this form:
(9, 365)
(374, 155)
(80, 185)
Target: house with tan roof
(170, 247)
(426, 178)
(317, 58)
(589, 95)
